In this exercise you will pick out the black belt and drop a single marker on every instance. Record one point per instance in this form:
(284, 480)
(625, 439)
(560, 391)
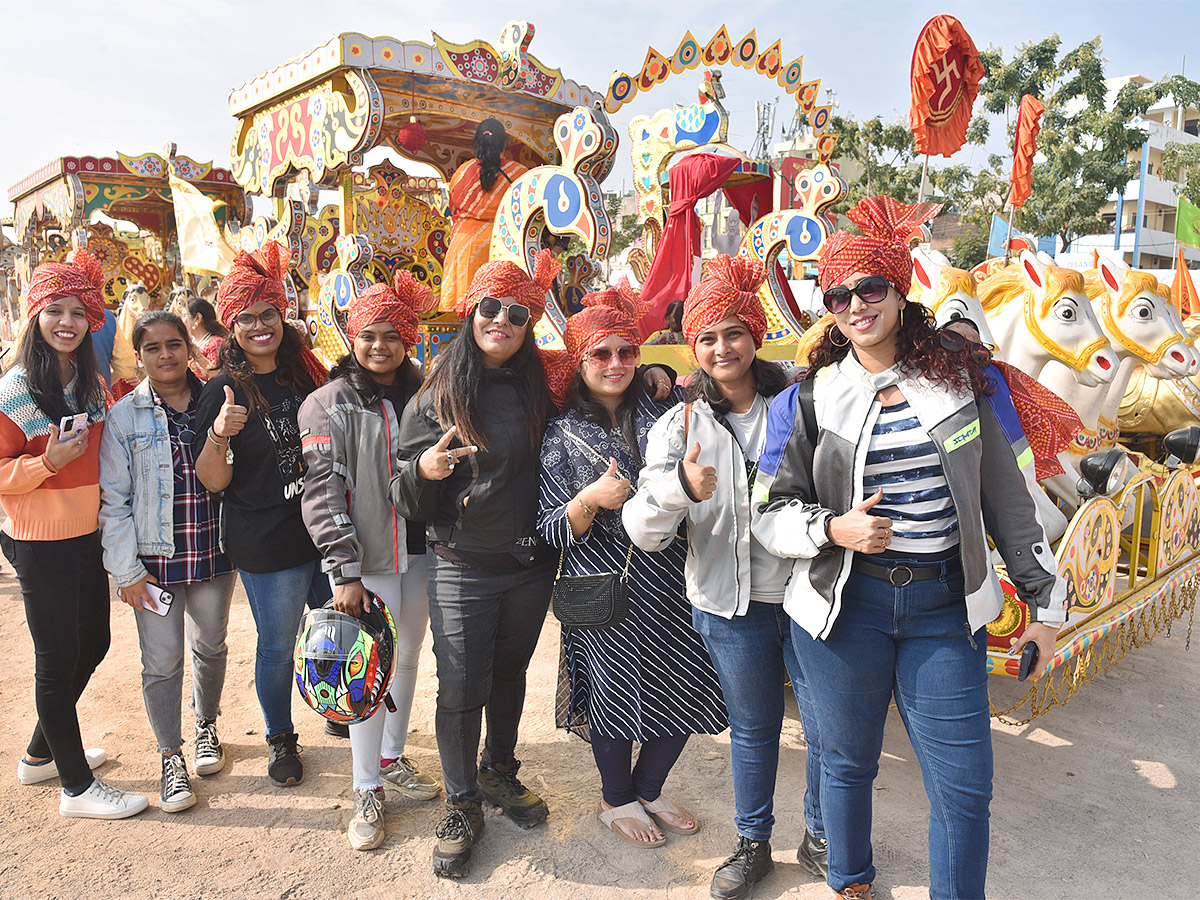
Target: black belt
(898, 575)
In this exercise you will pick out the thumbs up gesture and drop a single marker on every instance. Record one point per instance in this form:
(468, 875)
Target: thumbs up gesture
(609, 491)
(232, 417)
(860, 531)
(701, 480)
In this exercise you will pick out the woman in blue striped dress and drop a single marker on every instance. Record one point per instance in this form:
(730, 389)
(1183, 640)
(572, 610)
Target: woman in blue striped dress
(647, 679)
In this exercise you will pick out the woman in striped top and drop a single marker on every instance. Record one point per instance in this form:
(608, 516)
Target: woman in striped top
(881, 484)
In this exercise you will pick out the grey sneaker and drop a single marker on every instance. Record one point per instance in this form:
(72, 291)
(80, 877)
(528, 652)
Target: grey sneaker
(177, 793)
(403, 776)
(366, 828)
(210, 755)
(101, 801)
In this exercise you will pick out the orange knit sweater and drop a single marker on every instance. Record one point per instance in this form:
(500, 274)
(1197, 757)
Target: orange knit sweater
(42, 503)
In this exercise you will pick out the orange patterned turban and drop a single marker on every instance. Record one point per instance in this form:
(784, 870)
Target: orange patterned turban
(729, 288)
(259, 276)
(83, 278)
(888, 229)
(253, 277)
(502, 278)
(398, 304)
(605, 313)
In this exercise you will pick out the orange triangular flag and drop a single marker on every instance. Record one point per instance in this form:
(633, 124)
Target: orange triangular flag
(1183, 289)
(1095, 258)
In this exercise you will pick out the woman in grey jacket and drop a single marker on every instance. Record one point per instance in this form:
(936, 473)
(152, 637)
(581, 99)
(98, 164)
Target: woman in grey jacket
(892, 583)
(700, 462)
(350, 429)
(160, 528)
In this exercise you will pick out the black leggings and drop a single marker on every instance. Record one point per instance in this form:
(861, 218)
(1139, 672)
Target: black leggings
(614, 756)
(66, 607)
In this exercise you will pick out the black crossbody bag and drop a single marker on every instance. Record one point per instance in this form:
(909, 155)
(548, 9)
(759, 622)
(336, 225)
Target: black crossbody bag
(590, 601)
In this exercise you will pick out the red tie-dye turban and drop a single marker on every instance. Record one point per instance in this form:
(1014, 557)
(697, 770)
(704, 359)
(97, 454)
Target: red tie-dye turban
(888, 229)
(729, 288)
(83, 278)
(399, 304)
(502, 278)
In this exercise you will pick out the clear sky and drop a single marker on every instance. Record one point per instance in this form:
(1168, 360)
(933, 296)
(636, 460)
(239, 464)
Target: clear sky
(81, 77)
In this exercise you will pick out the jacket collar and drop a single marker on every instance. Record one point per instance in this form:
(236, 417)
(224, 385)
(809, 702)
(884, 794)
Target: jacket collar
(143, 397)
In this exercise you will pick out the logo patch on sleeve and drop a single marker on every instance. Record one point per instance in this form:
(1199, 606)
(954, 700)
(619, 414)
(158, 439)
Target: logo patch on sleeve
(962, 437)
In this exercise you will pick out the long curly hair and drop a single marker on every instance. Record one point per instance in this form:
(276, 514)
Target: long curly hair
(918, 349)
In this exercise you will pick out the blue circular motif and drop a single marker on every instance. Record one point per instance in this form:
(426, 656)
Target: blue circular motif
(563, 201)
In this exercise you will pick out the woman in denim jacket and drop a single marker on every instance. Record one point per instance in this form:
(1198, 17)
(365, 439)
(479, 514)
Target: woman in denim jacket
(160, 527)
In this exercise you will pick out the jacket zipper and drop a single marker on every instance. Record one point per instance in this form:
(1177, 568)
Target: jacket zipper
(387, 431)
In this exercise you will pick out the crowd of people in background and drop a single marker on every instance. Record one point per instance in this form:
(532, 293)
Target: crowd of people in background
(773, 525)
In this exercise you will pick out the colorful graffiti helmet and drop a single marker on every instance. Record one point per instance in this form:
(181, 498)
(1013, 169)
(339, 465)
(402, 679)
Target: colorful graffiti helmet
(344, 664)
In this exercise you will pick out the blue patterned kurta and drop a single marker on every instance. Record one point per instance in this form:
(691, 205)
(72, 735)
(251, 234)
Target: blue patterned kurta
(650, 676)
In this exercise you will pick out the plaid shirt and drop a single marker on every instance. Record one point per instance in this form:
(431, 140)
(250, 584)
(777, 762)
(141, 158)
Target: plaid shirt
(198, 557)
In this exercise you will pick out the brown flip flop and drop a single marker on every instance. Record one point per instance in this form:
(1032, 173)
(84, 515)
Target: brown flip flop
(634, 810)
(662, 805)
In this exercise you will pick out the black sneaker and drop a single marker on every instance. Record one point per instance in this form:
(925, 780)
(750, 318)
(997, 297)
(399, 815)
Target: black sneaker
(457, 834)
(283, 766)
(750, 863)
(500, 786)
(176, 791)
(210, 756)
(337, 729)
(814, 854)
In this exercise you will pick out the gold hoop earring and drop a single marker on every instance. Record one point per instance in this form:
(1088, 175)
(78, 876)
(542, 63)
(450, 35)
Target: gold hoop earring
(830, 334)
(901, 325)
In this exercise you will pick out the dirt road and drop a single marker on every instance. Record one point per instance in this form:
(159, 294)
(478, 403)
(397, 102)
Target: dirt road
(1100, 799)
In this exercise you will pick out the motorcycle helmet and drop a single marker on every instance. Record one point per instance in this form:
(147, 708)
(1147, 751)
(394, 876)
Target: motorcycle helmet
(344, 664)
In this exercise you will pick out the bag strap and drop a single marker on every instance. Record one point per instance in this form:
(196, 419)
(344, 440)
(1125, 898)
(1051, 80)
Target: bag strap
(808, 413)
(687, 422)
(587, 448)
(562, 554)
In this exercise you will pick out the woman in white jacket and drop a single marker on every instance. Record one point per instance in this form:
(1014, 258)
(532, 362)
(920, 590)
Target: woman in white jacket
(700, 463)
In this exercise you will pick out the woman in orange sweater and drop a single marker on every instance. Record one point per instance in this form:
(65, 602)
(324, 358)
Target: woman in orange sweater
(50, 491)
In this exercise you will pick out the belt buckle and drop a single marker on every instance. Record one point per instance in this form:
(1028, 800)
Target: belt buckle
(904, 571)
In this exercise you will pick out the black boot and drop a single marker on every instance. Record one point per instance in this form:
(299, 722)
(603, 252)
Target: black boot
(500, 786)
(457, 834)
(814, 854)
(750, 863)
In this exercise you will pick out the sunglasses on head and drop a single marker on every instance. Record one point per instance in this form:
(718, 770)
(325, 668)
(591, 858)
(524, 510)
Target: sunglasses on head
(981, 354)
(872, 289)
(518, 313)
(602, 356)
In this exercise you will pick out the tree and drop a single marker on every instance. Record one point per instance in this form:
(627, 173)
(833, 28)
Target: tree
(880, 158)
(1185, 160)
(625, 230)
(1084, 147)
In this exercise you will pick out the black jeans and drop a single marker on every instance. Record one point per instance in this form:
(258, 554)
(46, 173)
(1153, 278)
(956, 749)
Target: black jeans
(66, 607)
(485, 628)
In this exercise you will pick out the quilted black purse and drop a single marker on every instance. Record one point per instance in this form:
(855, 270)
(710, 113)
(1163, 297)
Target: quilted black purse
(590, 601)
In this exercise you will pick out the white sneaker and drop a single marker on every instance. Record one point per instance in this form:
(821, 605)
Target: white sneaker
(101, 801)
(31, 774)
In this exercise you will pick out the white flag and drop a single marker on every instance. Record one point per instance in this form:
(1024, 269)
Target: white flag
(203, 250)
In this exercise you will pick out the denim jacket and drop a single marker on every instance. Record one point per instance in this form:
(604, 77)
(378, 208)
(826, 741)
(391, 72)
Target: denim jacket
(137, 490)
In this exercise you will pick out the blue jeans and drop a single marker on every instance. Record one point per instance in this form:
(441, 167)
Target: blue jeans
(911, 642)
(751, 654)
(277, 600)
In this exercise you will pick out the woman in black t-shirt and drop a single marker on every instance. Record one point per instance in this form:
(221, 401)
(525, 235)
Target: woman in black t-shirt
(248, 416)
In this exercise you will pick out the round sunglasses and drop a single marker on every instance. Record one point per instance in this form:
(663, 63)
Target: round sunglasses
(871, 289)
(602, 356)
(518, 313)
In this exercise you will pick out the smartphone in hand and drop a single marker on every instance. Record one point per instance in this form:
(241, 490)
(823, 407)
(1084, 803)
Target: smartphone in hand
(161, 599)
(1029, 661)
(71, 426)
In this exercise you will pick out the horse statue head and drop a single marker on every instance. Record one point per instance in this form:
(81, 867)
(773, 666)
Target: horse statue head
(1139, 319)
(1040, 314)
(177, 302)
(948, 293)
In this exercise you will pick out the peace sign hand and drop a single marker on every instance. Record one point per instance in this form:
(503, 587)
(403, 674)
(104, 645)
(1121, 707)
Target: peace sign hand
(438, 462)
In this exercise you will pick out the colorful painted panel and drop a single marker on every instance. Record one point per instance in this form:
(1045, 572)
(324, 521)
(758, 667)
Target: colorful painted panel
(1179, 524)
(322, 129)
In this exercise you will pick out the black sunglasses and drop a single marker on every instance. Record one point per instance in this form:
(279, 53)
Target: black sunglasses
(981, 354)
(518, 313)
(872, 289)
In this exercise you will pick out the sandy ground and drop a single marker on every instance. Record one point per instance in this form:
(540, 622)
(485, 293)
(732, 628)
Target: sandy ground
(1100, 799)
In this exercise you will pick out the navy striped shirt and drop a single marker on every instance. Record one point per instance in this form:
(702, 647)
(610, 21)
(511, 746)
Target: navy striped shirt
(903, 461)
